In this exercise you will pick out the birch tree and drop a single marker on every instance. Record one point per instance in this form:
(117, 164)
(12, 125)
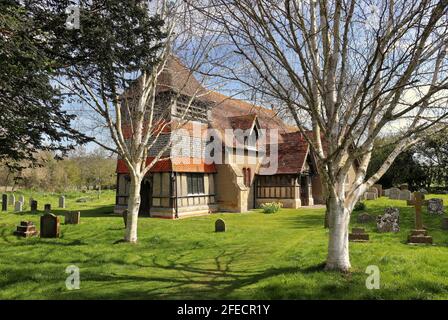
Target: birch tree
(349, 71)
(115, 61)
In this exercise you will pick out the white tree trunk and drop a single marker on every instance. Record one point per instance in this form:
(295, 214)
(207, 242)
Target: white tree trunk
(338, 255)
(133, 209)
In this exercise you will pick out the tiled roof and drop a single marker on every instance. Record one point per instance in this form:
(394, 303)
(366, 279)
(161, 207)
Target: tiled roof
(176, 164)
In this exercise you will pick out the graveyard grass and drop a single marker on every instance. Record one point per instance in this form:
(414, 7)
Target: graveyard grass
(260, 256)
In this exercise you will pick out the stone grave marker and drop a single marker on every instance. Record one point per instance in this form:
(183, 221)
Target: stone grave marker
(72, 217)
(435, 206)
(12, 200)
(18, 206)
(404, 186)
(47, 207)
(4, 202)
(220, 225)
(358, 235)
(387, 192)
(26, 229)
(364, 218)
(406, 195)
(22, 199)
(394, 193)
(445, 223)
(419, 235)
(370, 195)
(33, 205)
(423, 190)
(49, 226)
(379, 188)
(62, 202)
(389, 221)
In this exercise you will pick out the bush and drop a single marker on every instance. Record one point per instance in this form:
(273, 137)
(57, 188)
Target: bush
(271, 207)
(360, 206)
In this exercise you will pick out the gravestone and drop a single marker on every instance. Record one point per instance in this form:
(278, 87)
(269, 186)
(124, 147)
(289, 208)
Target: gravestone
(371, 195)
(49, 226)
(394, 193)
(4, 202)
(419, 235)
(47, 207)
(445, 223)
(379, 188)
(404, 186)
(358, 235)
(405, 195)
(424, 191)
(72, 217)
(62, 202)
(33, 205)
(22, 199)
(18, 207)
(435, 206)
(125, 217)
(364, 218)
(220, 225)
(389, 221)
(12, 200)
(387, 192)
(26, 229)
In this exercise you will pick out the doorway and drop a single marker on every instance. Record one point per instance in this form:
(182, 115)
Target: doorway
(304, 191)
(145, 198)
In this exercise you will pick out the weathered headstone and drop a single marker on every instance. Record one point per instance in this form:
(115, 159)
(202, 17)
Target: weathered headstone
(12, 200)
(49, 226)
(72, 217)
(423, 190)
(387, 192)
(26, 229)
(419, 235)
(220, 225)
(4, 202)
(394, 193)
(404, 186)
(435, 206)
(18, 207)
(62, 202)
(445, 223)
(389, 221)
(33, 205)
(371, 195)
(364, 218)
(405, 195)
(47, 207)
(22, 199)
(379, 188)
(358, 235)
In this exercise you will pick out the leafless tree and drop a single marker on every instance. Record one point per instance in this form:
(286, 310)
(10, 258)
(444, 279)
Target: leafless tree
(347, 70)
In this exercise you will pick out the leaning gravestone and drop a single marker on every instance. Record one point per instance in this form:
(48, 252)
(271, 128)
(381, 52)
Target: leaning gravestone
(18, 206)
(394, 193)
(405, 195)
(49, 226)
(220, 225)
(62, 202)
(72, 217)
(435, 206)
(33, 205)
(12, 200)
(4, 202)
(47, 207)
(364, 218)
(389, 221)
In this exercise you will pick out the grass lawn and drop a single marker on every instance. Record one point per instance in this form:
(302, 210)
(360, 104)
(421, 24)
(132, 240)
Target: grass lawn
(261, 256)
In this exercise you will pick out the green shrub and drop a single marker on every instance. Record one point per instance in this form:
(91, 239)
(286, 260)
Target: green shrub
(271, 207)
(360, 206)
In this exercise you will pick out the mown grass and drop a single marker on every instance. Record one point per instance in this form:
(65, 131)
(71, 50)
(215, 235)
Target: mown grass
(261, 256)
